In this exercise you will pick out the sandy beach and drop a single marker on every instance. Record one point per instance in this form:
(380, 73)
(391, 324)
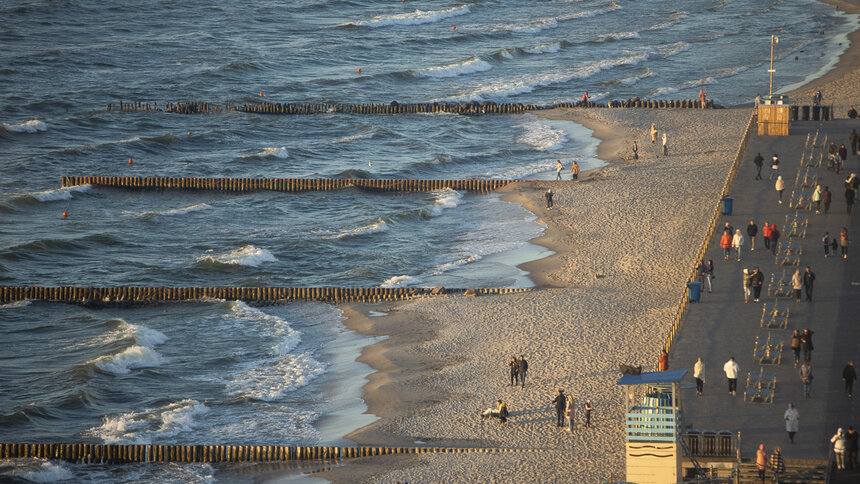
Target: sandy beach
(625, 237)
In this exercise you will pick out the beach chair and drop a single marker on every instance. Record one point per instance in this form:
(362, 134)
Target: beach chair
(807, 144)
(779, 287)
(787, 259)
(759, 388)
(768, 351)
(774, 316)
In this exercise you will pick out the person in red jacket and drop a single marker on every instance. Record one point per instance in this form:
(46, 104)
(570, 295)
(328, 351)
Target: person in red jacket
(765, 233)
(726, 244)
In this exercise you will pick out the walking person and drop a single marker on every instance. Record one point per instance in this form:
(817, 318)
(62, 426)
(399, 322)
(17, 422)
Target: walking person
(699, 375)
(705, 270)
(792, 421)
(808, 282)
(761, 462)
(574, 171)
(653, 133)
(548, 196)
(560, 403)
(569, 410)
(747, 283)
(757, 280)
(587, 411)
(665, 146)
(774, 239)
(515, 370)
(738, 242)
(731, 369)
(523, 368)
(849, 199)
(777, 465)
(844, 242)
(843, 153)
(795, 346)
(726, 244)
(663, 361)
(851, 447)
(854, 141)
(703, 99)
(558, 168)
(816, 198)
(806, 344)
(774, 167)
(806, 378)
(797, 284)
(765, 235)
(839, 448)
(752, 230)
(826, 241)
(849, 376)
(758, 161)
(826, 198)
(780, 187)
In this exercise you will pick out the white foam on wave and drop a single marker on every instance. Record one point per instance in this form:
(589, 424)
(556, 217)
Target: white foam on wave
(521, 172)
(16, 304)
(619, 36)
(662, 91)
(136, 356)
(629, 81)
(445, 199)
(537, 25)
(43, 471)
(675, 18)
(468, 66)
(549, 48)
(401, 281)
(541, 136)
(272, 152)
(270, 378)
(528, 83)
(669, 50)
(244, 256)
(286, 338)
(450, 266)
(64, 193)
(354, 137)
(151, 425)
(30, 127)
(182, 211)
(377, 226)
(412, 18)
(506, 54)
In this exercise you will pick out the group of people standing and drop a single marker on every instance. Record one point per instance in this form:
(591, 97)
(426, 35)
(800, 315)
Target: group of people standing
(574, 170)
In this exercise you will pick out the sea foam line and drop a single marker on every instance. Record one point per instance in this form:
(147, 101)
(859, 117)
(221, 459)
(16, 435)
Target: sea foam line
(64, 193)
(244, 256)
(468, 66)
(151, 424)
(411, 18)
(29, 127)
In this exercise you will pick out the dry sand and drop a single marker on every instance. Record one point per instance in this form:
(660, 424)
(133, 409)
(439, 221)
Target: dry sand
(625, 238)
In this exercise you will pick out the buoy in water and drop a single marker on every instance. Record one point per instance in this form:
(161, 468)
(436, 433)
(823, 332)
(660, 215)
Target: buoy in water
(129, 161)
(358, 70)
(261, 93)
(189, 132)
(454, 28)
(65, 214)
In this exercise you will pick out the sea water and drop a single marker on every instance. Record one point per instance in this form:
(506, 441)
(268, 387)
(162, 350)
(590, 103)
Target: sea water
(226, 372)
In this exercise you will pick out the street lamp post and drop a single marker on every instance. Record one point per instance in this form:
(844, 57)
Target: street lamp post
(773, 40)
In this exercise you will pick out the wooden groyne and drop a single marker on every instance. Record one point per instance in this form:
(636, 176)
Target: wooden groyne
(119, 295)
(282, 184)
(467, 108)
(127, 453)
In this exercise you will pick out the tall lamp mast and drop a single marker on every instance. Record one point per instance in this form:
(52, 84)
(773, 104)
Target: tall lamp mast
(773, 40)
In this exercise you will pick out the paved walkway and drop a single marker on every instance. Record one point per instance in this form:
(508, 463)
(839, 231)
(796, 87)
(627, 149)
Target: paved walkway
(722, 325)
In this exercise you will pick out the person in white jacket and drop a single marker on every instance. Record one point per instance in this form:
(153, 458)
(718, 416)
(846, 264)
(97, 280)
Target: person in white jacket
(738, 242)
(838, 441)
(699, 375)
(780, 187)
(792, 421)
(731, 368)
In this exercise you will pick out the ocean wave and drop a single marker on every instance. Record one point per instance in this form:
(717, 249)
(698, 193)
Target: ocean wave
(377, 226)
(527, 83)
(675, 18)
(286, 338)
(245, 256)
(411, 18)
(445, 199)
(351, 138)
(269, 379)
(129, 359)
(16, 304)
(669, 50)
(151, 425)
(450, 266)
(64, 193)
(549, 48)
(180, 211)
(29, 127)
(629, 81)
(541, 136)
(271, 152)
(38, 470)
(537, 25)
(401, 281)
(520, 172)
(468, 66)
(619, 36)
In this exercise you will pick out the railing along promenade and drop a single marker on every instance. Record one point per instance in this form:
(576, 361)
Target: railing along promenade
(685, 300)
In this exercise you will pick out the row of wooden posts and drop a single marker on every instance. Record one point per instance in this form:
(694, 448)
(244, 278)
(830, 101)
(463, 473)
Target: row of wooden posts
(282, 184)
(470, 108)
(124, 453)
(134, 294)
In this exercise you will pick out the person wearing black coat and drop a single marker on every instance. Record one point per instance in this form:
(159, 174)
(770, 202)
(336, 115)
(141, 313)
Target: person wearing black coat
(560, 402)
(826, 198)
(752, 230)
(756, 282)
(849, 199)
(808, 281)
(848, 376)
(759, 161)
(806, 344)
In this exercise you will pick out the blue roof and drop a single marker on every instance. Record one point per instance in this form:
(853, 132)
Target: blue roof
(653, 377)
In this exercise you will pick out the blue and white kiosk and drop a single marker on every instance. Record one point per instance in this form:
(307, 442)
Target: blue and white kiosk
(654, 425)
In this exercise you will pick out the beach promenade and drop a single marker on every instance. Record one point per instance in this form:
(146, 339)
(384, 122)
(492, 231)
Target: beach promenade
(722, 325)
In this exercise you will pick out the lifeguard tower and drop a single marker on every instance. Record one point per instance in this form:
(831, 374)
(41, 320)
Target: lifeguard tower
(654, 425)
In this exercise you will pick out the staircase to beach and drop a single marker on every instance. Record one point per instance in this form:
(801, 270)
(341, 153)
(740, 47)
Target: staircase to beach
(797, 471)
